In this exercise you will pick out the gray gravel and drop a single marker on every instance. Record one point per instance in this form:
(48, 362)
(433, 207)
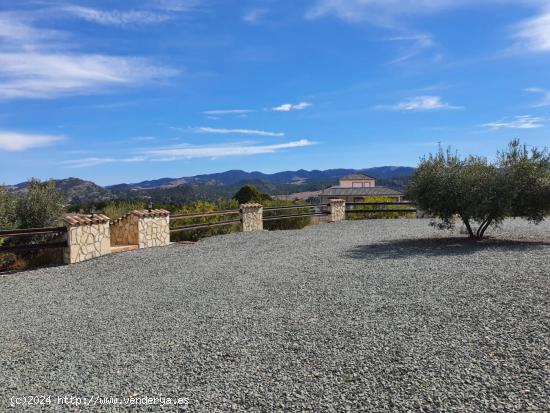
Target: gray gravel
(358, 316)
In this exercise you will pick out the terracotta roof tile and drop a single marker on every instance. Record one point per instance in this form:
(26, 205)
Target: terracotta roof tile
(144, 214)
(152, 213)
(252, 205)
(85, 219)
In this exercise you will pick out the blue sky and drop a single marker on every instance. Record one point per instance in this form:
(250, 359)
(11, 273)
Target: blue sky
(123, 91)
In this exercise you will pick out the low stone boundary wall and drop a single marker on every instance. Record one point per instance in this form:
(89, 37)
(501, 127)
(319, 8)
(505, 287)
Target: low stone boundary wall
(142, 228)
(88, 237)
(91, 236)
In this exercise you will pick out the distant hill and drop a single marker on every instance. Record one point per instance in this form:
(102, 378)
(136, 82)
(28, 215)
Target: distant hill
(76, 190)
(220, 185)
(287, 177)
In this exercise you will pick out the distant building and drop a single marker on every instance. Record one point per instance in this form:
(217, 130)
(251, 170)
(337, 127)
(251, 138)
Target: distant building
(356, 187)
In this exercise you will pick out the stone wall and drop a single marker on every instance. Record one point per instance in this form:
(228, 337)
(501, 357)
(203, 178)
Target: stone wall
(337, 208)
(154, 231)
(125, 230)
(252, 217)
(142, 228)
(88, 237)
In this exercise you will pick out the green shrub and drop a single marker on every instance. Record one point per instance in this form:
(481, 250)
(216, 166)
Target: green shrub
(117, 209)
(8, 209)
(200, 207)
(41, 206)
(381, 208)
(249, 193)
(285, 224)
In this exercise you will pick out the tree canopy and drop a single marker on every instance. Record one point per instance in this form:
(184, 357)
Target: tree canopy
(249, 193)
(482, 193)
(43, 205)
(8, 218)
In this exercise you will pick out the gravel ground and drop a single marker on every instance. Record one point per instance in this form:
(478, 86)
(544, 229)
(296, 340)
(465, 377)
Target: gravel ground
(370, 316)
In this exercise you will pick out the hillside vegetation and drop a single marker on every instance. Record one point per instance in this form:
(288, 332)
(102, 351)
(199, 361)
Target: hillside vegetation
(212, 187)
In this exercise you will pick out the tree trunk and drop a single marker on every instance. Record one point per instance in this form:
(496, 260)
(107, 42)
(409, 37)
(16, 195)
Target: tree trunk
(468, 227)
(484, 228)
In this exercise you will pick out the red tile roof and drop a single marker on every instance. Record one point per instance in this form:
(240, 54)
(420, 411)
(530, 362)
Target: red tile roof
(85, 219)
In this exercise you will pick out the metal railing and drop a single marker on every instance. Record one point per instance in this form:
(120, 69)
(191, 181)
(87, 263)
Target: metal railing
(377, 210)
(318, 211)
(191, 227)
(30, 232)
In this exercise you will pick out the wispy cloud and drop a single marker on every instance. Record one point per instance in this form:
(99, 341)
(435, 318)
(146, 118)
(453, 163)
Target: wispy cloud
(389, 12)
(378, 12)
(287, 107)
(116, 17)
(144, 138)
(534, 34)
(39, 75)
(420, 103)
(87, 162)
(519, 122)
(17, 32)
(173, 153)
(34, 64)
(13, 141)
(416, 44)
(177, 5)
(220, 151)
(256, 132)
(227, 112)
(254, 16)
(545, 101)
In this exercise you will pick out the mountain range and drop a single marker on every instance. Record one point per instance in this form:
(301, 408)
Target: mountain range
(220, 185)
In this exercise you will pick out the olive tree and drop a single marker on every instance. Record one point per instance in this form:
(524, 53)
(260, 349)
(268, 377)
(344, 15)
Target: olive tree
(481, 193)
(527, 174)
(42, 206)
(7, 209)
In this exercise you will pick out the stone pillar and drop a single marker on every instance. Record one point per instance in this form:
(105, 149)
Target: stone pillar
(88, 237)
(153, 228)
(337, 208)
(252, 217)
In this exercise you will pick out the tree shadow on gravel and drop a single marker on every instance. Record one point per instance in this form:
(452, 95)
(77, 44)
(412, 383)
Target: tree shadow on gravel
(438, 247)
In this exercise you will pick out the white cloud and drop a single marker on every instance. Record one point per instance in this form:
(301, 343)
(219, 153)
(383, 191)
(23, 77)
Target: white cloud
(39, 75)
(15, 32)
(545, 101)
(220, 151)
(227, 112)
(254, 16)
(378, 12)
(388, 12)
(116, 17)
(237, 131)
(534, 34)
(13, 141)
(34, 64)
(174, 153)
(416, 44)
(144, 138)
(420, 103)
(177, 5)
(520, 122)
(287, 107)
(424, 40)
(87, 162)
